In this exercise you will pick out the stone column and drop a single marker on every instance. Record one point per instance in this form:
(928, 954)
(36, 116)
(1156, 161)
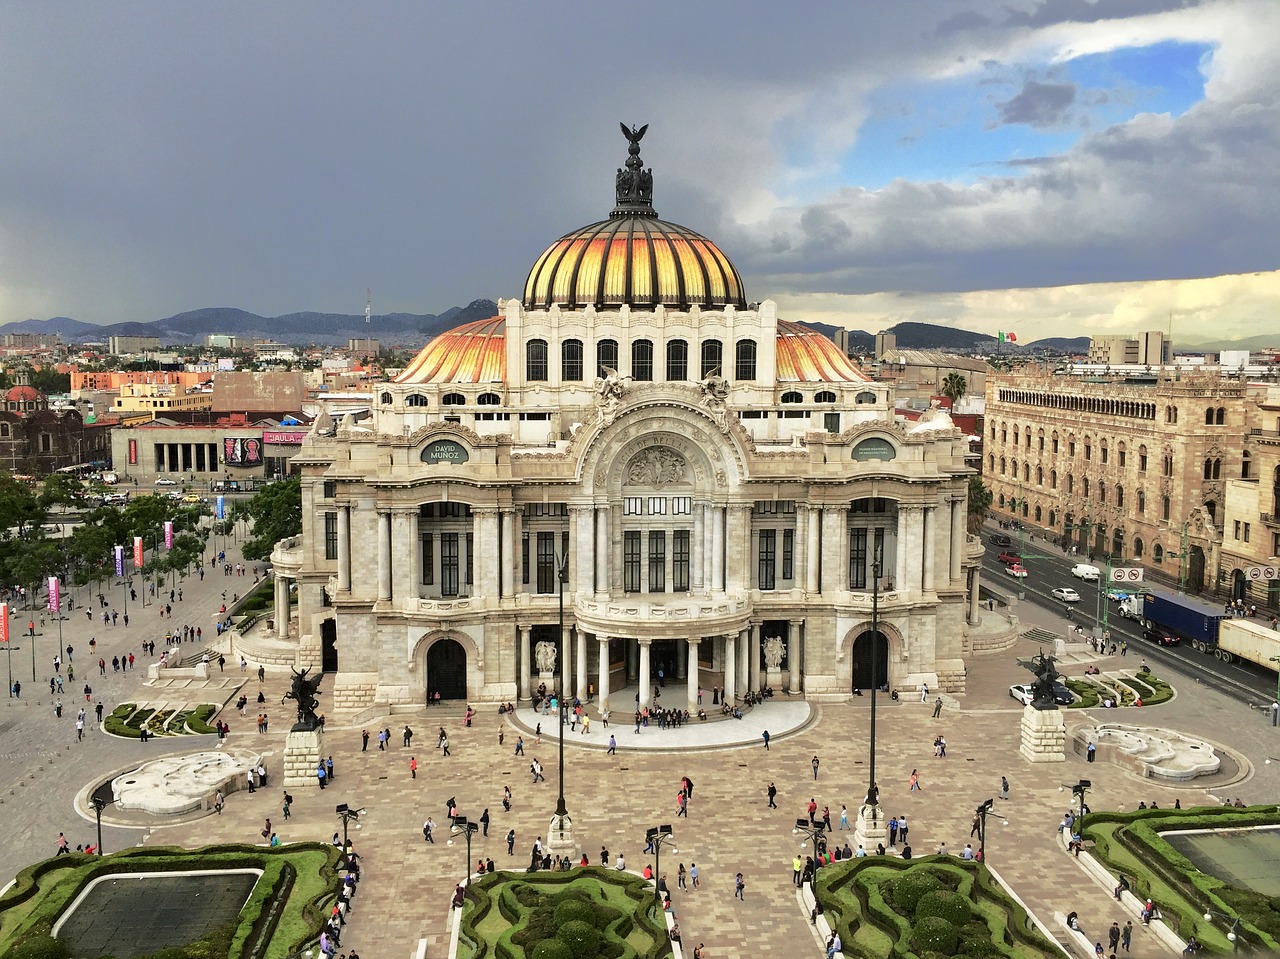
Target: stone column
(602, 682)
(900, 559)
(691, 675)
(698, 550)
(975, 583)
(958, 542)
(793, 657)
(566, 665)
(526, 690)
(488, 577)
(717, 548)
(835, 558)
(738, 544)
(403, 586)
(384, 555)
(645, 692)
(282, 607)
(508, 566)
(929, 529)
(602, 550)
(754, 659)
(344, 547)
(801, 577)
(581, 649)
(744, 660)
(582, 537)
(814, 543)
(730, 668)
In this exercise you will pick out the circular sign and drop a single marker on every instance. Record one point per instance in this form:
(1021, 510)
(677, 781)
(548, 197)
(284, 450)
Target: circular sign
(1134, 575)
(1255, 572)
(1268, 572)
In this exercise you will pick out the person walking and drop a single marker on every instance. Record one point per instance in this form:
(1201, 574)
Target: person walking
(364, 740)
(1126, 935)
(321, 775)
(284, 806)
(484, 821)
(765, 737)
(511, 841)
(413, 767)
(739, 887)
(407, 737)
(773, 796)
(1113, 936)
(844, 816)
(444, 744)
(914, 782)
(902, 829)
(613, 746)
(1090, 751)
(937, 708)
(681, 876)
(1004, 787)
(428, 831)
(693, 874)
(814, 764)
(520, 745)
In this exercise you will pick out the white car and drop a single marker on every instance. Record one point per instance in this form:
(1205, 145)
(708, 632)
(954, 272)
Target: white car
(1016, 570)
(1022, 693)
(1117, 595)
(1066, 594)
(166, 482)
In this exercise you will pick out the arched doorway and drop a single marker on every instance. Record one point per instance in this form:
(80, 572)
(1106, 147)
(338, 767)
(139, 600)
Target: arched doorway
(329, 646)
(1239, 585)
(447, 669)
(1195, 569)
(863, 647)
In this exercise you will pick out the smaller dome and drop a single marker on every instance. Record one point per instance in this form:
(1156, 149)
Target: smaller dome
(475, 352)
(24, 394)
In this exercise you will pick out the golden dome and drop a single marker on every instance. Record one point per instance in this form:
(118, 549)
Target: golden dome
(633, 258)
(475, 352)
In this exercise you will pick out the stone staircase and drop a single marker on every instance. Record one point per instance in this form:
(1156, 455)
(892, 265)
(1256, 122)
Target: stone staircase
(1041, 636)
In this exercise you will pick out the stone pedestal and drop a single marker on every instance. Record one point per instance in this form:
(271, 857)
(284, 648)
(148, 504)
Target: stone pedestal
(773, 678)
(560, 839)
(871, 828)
(1044, 735)
(302, 752)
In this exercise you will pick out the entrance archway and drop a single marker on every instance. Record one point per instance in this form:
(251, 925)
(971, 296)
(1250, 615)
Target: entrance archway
(1195, 569)
(447, 669)
(863, 678)
(1239, 585)
(329, 646)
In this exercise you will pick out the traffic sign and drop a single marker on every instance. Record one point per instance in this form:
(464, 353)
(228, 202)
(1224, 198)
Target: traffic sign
(1126, 574)
(1263, 572)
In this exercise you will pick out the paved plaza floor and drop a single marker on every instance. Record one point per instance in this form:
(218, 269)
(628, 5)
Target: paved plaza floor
(614, 798)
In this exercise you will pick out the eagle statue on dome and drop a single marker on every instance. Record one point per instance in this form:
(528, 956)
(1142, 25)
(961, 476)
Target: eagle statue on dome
(633, 135)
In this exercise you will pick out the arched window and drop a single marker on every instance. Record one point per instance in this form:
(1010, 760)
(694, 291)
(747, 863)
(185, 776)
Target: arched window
(1208, 416)
(1039, 475)
(1053, 479)
(869, 397)
(1001, 504)
(1054, 441)
(385, 399)
(677, 361)
(642, 360)
(1142, 459)
(1137, 547)
(535, 361)
(1222, 415)
(991, 457)
(744, 368)
(1013, 468)
(1211, 507)
(1164, 507)
(571, 361)
(488, 399)
(1157, 554)
(792, 397)
(712, 358)
(1026, 472)
(1071, 484)
(1217, 468)
(606, 355)
(1122, 456)
(1088, 448)
(1103, 451)
(453, 399)
(824, 396)
(1142, 501)
(1038, 514)
(1102, 492)
(1120, 496)
(1208, 469)
(415, 399)
(1004, 467)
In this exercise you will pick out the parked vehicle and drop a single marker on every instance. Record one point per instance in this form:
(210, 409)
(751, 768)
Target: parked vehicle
(1022, 693)
(1247, 639)
(1185, 616)
(1066, 594)
(1001, 540)
(166, 482)
(1011, 556)
(1086, 572)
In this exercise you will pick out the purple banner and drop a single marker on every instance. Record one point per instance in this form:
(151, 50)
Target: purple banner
(119, 551)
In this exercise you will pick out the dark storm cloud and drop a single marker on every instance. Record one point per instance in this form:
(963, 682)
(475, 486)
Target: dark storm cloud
(1039, 104)
(1042, 14)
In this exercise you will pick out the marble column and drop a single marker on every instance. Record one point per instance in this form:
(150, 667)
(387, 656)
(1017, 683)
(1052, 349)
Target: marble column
(581, 649)
(691, 675)
(582, 536)
(813, 582)
(526, 663)
(344, 547)
(900, 559)
(915, 550)
(793, 657)
(508, 567)
(835, 558)
(975, 583)
(717, 548)
(801, 577)
(566, 664)
(737, 575)
(929, 529)
(645, 692)
(698, 549)
(730, 667)
(404, 547)
(602, 681)
(384, 555)
(486, 524)
(744, 660)
(602, 550)
(282, 607)
(958, 542)
(754, 659)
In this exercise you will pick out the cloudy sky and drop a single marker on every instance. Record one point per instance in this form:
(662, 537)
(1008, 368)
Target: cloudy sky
(1047, 166)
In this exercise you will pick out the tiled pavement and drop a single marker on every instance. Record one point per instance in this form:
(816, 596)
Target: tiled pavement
(729, 829)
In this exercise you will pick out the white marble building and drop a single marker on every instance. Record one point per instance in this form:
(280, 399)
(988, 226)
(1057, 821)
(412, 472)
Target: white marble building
(709, 477)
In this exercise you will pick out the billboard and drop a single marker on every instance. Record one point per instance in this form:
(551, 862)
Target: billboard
(242, 450)
(284, 437)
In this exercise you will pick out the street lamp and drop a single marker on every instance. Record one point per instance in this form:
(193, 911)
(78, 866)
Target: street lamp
(346, 814)
(1079, 789)
(815, 833)
(1233, 934)
(984, 810)
(465, 825)
(99, 804)
(869, 820)
(560, 833)
(656, 837)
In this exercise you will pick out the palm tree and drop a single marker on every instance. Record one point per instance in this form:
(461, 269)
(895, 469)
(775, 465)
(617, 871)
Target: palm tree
(954, 387)
(979, 503)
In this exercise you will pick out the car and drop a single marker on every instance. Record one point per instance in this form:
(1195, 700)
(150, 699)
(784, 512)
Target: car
(1023, 694)
(1085, 571)
(1015, 569)
(1161, 638)
(1010, 557)
(1117, 595)
(166, 482)
(1065, 593)
(193, 498)
(999, 539)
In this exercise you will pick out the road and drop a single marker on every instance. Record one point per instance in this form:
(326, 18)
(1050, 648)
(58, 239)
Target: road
(1049, 567)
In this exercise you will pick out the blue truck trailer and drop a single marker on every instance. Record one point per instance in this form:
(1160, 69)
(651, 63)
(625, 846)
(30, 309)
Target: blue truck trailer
(1195, 620)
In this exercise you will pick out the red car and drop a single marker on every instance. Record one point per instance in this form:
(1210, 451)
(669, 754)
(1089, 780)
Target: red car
(1010, 557)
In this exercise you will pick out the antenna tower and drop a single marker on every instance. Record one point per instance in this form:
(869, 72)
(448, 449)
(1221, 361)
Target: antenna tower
(368, 304)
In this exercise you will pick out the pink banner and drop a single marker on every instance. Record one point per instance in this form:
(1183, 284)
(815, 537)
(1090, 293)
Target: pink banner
(139, 559)
(4, 622)
(55, 594)
(168, 534)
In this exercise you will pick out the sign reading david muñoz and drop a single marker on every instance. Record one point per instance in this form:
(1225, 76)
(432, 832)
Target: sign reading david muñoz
(445, 451)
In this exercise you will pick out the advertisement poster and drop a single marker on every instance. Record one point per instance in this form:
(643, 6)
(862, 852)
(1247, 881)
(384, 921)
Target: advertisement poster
(133, 452)
(4, 622)
(119, 551)
(139, 560)
(55, 594)
(168, 534)
(220, 507)
(242, 450)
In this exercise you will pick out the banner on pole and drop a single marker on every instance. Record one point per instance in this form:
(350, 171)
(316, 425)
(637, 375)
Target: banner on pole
(220, 507)
(55, 595)
(139, 558)
(119, 551)
(168, 534)
(4, 622)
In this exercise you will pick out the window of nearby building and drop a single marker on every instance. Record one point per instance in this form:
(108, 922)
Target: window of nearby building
(631, 560)
(546, 562)
(453, 399)
(788, 553)
(488, 399)
(1071, 448)
(1122, 455)
(1246, 465)
(415, 399)
(428, 560)
(824, 396)
(1120, 496)
(1208, 421)
(606, 355)
(831, 422)
(792, 397)
(712, 358)
(657, 561)
(681, 505)
(677, 361)
(1157, 554)
(449, 565)
(1026, 472)
(767, 558)
(745, 360)
(1137, 547)
(1055, 442)
(1237, 522)
(869, 397)
(657, 506)
(1222, 415)
(1142, 501)
(1275, 544)
(535, 361)
(1085, 487)
(331, 535)
(642, 360)
(1053, 479)
(571, 361)
(469, 568)
(524, 557)
(1103, 451)
(385, 399)
(633, 506)
(330, 489)
(1246, 531)
(1071, 483)
(680, 561)
(1142, 459)
(1164, 508)
(858, 558)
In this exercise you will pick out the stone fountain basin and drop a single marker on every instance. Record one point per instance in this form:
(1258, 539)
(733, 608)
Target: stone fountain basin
(176, 785)
(1153, 752)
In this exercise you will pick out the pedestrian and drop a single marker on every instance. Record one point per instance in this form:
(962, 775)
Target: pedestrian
(520, 745)
(408, 737)
(62, 845)
(1004, 787)
(328, 766)
(814, 764)
(681, 875)
(902, 829)
(428, 829)
(511, 841)
(613, 746)
(693, 874)
(937, 708)
(506, 799)
(284, 806)
(413, 767)
(321, 775)
(739, 887)
(364, 740)
(1113, 936)
(1126, 934)
(924, 692)
(773, 796)
(765, 737)
(444, 744)
(1124, 651)
(844, 816)
(1091, 750)
(217, 802)
(826, 818)
(914, 782)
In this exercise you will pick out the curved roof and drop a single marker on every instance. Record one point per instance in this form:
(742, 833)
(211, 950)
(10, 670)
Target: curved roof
(23, 394)
(633, 259)
(476, 353)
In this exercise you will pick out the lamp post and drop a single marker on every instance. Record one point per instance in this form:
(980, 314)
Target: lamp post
(11, 649)
(155, 548)
(99, 804)
(869, 827)
(1079, 789)
(466, 826)
(815, 833)
(346, 814)
(657, 836)
(1233, 934)
(560, 833)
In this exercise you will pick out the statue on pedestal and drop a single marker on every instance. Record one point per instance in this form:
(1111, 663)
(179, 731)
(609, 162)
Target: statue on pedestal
(304, 693)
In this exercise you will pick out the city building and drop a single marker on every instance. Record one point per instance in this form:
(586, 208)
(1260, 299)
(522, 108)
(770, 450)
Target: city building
(1132, 467)
(36, 440)
(921, 374)
(1151, 348)
(159, 399)
(122, 345)
(221, 341)
(1251, 516)
(717, 494)
(32, 341)
(207, 447)
(363, 346)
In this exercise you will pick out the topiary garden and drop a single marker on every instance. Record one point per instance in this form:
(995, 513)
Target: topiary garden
(937, 906)
(582, 914)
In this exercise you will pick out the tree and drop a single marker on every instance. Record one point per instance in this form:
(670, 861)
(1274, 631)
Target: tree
(979, 503)
(275, 513)
(954, 386)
